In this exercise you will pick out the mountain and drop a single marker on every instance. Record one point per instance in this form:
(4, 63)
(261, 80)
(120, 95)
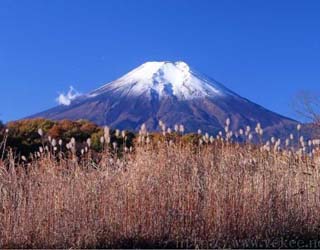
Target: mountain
(171, 92)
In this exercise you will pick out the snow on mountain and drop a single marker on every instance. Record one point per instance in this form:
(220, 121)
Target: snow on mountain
(161, 79)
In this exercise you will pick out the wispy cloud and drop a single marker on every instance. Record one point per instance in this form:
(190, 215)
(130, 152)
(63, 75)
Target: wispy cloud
(66, 99)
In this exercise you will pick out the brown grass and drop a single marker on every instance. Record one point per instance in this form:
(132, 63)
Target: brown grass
(217, 195)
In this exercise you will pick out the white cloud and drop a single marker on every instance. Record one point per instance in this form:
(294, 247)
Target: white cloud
(66, 99)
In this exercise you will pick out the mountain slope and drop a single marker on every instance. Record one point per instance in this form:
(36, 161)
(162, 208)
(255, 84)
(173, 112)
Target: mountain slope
(172, 92)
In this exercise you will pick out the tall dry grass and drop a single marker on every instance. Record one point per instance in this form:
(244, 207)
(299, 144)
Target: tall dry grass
(160, 195)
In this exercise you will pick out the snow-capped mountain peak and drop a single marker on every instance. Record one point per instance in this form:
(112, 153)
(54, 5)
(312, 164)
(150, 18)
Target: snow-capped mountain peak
(161, 79)
(171, 92)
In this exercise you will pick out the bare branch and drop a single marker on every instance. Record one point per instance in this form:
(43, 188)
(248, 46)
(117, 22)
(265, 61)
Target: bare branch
(307, 105)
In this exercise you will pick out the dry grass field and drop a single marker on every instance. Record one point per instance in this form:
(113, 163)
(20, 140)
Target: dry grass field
(162, 193)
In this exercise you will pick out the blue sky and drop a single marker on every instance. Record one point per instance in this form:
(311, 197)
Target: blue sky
(266, 51)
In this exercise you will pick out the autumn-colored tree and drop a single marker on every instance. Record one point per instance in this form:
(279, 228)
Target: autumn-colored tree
(56, 131)
(66, 124)
(88, 127)
(24, 135)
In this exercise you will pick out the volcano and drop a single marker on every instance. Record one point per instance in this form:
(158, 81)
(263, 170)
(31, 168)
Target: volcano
(173, 93)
